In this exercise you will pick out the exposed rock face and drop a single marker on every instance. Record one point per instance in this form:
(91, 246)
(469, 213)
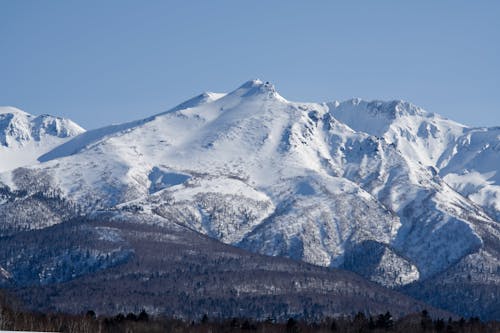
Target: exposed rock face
(385, 189)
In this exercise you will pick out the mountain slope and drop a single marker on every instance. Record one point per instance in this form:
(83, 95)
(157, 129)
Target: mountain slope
(123, 263)
(24, 137)
(466, 158)
(357, 185)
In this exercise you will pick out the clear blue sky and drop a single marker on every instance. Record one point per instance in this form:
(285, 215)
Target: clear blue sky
(101, 62)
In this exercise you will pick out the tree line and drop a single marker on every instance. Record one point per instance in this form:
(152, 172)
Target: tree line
(12, 318)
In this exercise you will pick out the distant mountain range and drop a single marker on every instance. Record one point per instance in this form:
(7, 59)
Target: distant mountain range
(405, 198)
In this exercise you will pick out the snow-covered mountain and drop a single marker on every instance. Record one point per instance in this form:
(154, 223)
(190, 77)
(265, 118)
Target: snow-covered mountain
(126, 265)
(387, 190)
(24, 137)
(468, 159)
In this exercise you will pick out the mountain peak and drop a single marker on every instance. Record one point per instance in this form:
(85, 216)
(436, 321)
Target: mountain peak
(24, 137)
(252, 83)
(384, 195)
(17, 126)
(257, 87)
(388, 109)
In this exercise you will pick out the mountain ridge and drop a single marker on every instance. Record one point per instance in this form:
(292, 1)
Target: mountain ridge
(375, 187)
(24, 137)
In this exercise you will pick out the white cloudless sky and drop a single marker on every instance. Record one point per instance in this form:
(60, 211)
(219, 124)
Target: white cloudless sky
(101, 62)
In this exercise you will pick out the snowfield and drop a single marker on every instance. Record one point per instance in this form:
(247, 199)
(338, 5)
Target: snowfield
(385, 189)
(23, 137)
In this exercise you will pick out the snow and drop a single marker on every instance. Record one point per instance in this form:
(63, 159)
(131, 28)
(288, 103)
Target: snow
(24, 137)
(449, 148)
(161, 179)
(419, 135)
(309, 181)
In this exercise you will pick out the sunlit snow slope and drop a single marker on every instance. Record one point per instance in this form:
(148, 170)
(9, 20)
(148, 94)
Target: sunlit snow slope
(24, 137)
(378, 188)
(467, 158)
